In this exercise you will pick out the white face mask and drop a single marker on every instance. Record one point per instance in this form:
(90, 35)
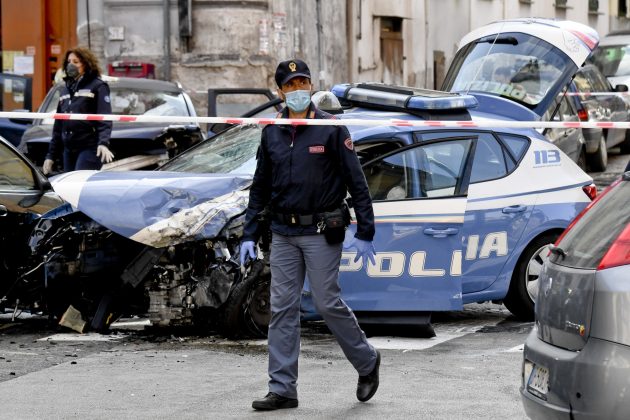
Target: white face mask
(298, 100)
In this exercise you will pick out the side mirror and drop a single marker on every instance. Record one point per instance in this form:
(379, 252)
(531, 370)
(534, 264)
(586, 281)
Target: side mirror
(621, 88)
(45, 185)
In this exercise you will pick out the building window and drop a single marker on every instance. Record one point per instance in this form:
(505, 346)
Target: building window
(622, 10)
(593, 5)
(392, 50)
(561, 4)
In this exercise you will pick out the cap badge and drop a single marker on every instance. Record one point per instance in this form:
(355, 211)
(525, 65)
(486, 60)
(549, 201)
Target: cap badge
(292, 66)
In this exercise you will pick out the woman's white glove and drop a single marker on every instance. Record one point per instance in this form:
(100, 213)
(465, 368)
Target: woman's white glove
(47, 166)
(104, 153)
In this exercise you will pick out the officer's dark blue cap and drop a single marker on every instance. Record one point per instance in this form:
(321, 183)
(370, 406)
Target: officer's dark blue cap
(289, 69)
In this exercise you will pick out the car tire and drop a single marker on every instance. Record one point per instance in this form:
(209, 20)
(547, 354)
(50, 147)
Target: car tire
(598, 161)
(624, 147)
(581, 161)
(247, 311)
(522, 292)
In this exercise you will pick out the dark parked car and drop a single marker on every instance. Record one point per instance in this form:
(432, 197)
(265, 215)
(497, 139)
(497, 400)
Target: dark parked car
(577, 358)
(135, 145)
(24, 195)
(599, 107)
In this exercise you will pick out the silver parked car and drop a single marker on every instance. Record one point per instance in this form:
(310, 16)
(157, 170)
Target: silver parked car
(595, 105)
(577, 358)
(570, 140)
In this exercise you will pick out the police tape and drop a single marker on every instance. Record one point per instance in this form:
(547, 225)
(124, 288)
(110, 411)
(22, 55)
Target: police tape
(586, 94)
(480, 123)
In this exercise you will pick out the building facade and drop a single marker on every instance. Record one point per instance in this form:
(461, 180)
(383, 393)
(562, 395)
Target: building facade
(237, 43)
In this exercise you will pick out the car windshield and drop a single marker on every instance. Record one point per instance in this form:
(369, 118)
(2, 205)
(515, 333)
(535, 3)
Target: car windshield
(131, 101)
(520, 67)
(612, 60)
(233, 151)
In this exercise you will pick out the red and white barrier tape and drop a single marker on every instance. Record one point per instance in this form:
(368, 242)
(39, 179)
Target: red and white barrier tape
(483, 123)
(595, 94)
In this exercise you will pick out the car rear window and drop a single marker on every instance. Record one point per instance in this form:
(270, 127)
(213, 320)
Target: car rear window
(587, 242)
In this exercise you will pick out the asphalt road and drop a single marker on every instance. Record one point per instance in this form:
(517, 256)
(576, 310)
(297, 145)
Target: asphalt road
(470, 369)
(616, 164)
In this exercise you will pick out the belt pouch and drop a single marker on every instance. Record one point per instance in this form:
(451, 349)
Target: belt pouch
(334, 226)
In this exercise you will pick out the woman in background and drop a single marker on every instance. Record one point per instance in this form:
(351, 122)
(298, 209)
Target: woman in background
(82, 144)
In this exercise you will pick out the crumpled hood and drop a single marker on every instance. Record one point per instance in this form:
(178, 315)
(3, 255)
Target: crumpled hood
(156, 208)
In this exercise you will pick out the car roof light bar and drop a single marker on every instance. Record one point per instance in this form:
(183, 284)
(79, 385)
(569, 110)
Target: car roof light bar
(402, 97)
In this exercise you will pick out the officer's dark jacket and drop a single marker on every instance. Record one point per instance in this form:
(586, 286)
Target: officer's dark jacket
(88, 95)
(307, 170)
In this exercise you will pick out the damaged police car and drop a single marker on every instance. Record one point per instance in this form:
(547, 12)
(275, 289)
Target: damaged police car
(462, 214)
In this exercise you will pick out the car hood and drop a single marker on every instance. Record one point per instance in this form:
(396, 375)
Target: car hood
(43, 132)
(156, 208)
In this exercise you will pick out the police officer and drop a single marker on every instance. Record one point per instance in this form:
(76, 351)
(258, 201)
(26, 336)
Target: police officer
(83, 144)
(303, 175)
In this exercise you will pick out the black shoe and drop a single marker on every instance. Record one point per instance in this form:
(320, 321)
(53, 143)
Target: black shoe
(273, 401)
(367, 386)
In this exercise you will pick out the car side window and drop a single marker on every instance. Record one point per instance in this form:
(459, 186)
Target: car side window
(582, 82)
(428, 170)
(51, 106)
(489, 162)
(596, 82)
(367, 151)
(566, 111)
(600, 83)
(516, 145)
(15, 174)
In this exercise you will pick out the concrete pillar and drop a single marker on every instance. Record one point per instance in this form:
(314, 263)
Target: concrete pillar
(91, 33)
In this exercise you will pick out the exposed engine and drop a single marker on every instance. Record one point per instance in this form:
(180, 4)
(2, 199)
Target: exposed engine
(102, 274)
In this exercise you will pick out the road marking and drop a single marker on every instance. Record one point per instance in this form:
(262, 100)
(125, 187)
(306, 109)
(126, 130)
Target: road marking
(409, 344)
(444, 333)
(516, 349)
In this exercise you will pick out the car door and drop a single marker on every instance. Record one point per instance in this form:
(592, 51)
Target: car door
(24, 194)
(496, 215)
(239, 102)
(568, 139)
(419, 200)
(613, 106)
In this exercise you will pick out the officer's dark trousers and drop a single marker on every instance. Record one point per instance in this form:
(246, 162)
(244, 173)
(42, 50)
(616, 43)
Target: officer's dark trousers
(291, 258)
(74, 160)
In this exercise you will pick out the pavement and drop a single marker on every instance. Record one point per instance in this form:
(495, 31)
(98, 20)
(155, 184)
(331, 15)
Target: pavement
(470, 370)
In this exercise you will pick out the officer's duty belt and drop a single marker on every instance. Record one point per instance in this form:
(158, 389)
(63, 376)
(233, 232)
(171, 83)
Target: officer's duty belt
(292, 219)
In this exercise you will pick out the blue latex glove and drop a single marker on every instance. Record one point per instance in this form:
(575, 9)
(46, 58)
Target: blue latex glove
(365, 250)
(247, 250)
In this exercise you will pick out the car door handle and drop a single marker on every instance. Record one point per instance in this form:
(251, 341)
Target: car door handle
(440, 233)
(3, 211)
(514, 209)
